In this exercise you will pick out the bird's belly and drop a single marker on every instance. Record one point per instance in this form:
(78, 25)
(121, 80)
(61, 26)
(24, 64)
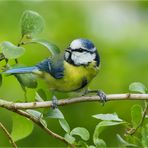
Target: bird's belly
(74, 78)
(71, 84)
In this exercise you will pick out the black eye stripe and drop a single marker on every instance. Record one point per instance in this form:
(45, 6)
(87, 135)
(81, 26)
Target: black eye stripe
(80, 50)
(76, 50)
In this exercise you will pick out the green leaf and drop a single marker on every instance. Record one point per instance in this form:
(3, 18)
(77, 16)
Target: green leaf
(97, 141)
(11, 51)
(136, 114)
(38, 97)
(55, 113)
(136, 140)
(82, 144)
(27, 80)
(42, 94)
(82, 132)
(125, 143)
(22, 127)
(69, 138)
(31, 23)
(137, 87)
(35, 113)
(144, 133)
(113, 117)
(64, 125)
(38, 115)
(50, 46)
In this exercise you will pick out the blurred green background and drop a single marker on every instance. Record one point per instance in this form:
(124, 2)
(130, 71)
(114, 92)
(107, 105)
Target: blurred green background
(120, 32)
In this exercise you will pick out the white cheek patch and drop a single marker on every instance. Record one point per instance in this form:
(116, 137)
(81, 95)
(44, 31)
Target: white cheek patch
(66, 55)
(82, 58)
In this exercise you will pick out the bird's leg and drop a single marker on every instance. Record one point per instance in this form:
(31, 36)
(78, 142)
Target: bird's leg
(54, 102)
(102, 96)
(100, 93)
(85, 92)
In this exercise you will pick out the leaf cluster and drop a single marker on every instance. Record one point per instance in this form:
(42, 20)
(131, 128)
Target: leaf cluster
(136, 130)
(31, 24)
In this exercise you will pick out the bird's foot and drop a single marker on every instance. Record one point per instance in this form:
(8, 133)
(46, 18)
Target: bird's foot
(54, 102)
(100, 93)
(102, 96)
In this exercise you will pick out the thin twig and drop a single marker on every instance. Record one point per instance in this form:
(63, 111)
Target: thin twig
(62, 102)
(37, 121)
(8, 135)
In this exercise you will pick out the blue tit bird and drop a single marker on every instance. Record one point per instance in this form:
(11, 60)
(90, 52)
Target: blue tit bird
(69, 71)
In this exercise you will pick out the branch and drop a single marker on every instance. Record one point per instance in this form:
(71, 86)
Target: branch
(15, 107)
(37, 121)
(46, 104)
(8, 135)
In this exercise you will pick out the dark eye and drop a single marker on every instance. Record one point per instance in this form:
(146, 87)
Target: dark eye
(80, 50)
(83, 50)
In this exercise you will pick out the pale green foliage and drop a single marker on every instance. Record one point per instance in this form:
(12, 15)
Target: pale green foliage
(136, 114)
(50, 46)
(38, 115)
(69, 138)
(38, 97)
(55, 113)
(34, 113)
(113, 117)
(125, 143)
(11, 51)
(137, 87)
(31, 23)
(82, 132)
(99, 128)
(22, 127)
(27, 80)
(64, 125)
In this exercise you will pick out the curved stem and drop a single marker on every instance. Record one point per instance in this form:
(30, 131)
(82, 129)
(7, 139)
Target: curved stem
(37, 121)
(8, 135)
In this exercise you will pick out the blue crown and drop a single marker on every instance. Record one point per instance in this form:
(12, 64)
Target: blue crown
(82, 44)
(87, 43)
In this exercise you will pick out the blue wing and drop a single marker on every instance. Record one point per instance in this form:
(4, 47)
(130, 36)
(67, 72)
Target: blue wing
(53, 66)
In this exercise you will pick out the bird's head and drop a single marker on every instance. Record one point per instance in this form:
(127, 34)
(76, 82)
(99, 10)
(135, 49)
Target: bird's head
(81, 52)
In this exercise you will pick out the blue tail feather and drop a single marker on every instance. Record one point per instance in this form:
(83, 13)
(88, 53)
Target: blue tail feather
(21, 70)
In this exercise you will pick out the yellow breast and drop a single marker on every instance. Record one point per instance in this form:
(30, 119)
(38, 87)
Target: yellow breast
(73, 77)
